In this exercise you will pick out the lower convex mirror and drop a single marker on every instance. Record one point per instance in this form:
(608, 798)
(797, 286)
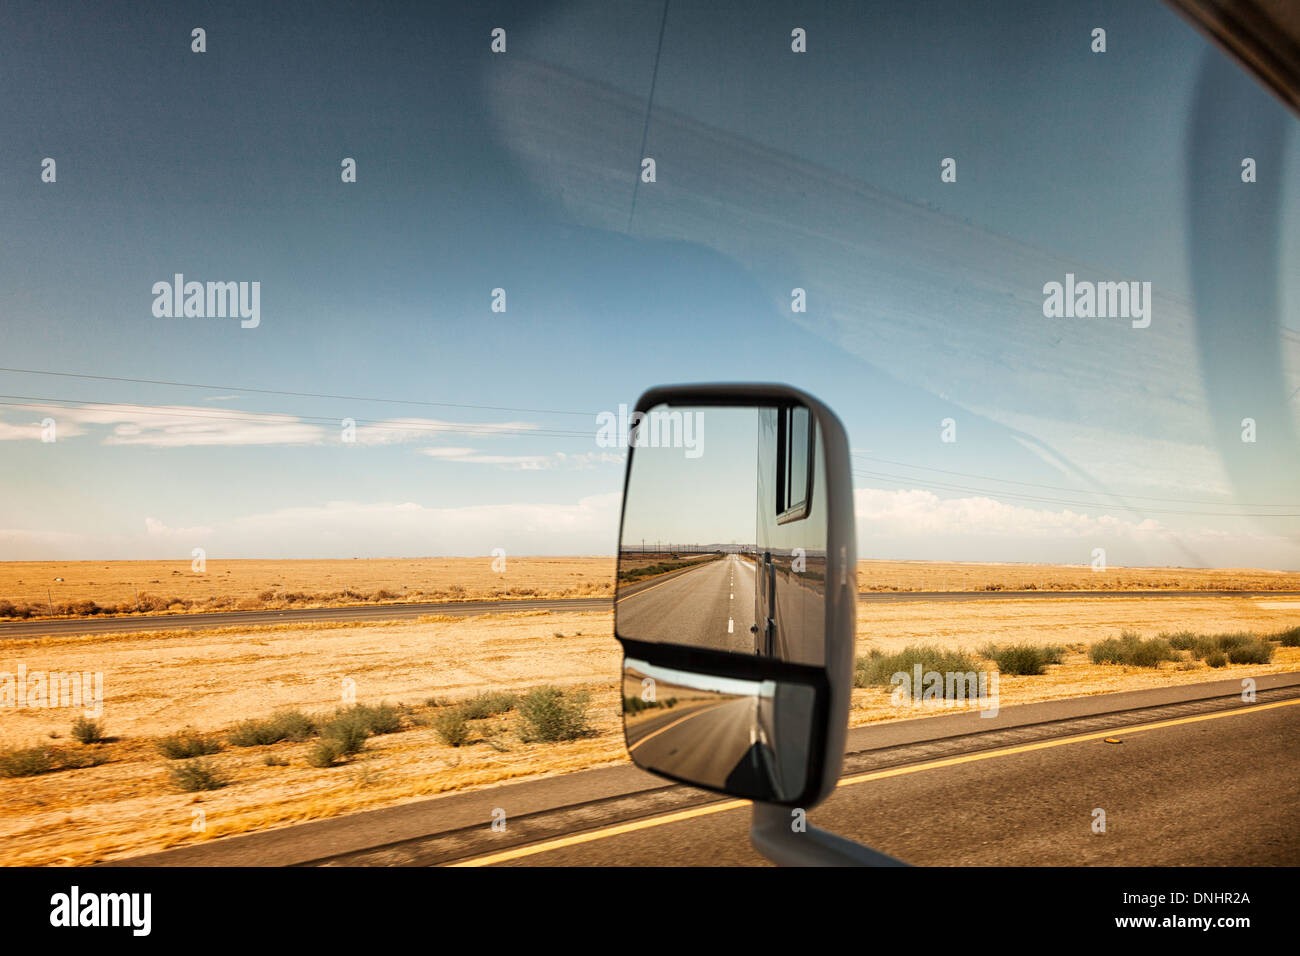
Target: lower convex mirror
(731, 603)
(749, 737)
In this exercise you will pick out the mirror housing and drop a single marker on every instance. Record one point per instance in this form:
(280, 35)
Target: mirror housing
(759, 710)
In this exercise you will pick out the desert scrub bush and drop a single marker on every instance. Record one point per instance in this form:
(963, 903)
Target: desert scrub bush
(186, 744)
(1237, 648)
(81, 608)
(271, 760)
(662, 567)
(1131, 649)
(877, 669)
(33, 761)
(634, 704)
(28, 762)
(156, 602)
(1254, 651)
(1226, 642)
(88, 731)
(1216, 659)
(286, 725)
(548, 714)
(452, 727)
(197, 774)
(1023, 659)
(1183, 640)
(325, 752)
(349, 729)
(377, 720)
(488, 704)
(1288, 638)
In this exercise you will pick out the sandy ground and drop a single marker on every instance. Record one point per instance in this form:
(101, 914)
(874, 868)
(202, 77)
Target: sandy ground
(255, 584)
(964, 576)
(1073, 623)
(158, 683)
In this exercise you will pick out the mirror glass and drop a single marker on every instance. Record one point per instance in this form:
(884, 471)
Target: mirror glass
(720, 600)
(719, 732)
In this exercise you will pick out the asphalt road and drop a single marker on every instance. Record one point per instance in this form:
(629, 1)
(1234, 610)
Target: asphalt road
(710, 743)
(369, 612)
(397, 612)
(1218, 791)
(711, 605)
(1198, 776)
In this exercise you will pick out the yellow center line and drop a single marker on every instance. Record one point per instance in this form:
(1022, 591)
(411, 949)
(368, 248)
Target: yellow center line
(579, 838)
(708, 809)
(1059, 742)
(703, 710)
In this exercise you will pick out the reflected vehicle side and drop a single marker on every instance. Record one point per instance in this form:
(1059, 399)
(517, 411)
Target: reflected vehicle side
(790, 517)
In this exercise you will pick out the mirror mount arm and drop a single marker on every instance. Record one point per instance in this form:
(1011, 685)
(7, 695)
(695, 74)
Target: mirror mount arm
(771, 835)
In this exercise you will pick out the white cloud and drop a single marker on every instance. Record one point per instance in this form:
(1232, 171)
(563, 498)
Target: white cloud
(34, 430)
(156, 529)
(473, 456)
(916, 512)
(581, 461)
(403, 430)
(349, 529)
(589, 459)
(177, 426)
(919, 525)
(589, 526)
(911, 524)
(183, 426)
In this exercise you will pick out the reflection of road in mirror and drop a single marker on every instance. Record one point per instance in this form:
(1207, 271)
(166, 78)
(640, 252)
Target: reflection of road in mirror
(710, 605)
(712, 737)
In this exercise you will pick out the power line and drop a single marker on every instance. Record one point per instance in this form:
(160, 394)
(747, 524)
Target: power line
(488, 430)
(272, 391)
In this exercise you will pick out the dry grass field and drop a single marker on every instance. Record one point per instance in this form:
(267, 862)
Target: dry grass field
(83, 588)
(158, 683)
(159, 586)
(1072, 623)
(965, 576)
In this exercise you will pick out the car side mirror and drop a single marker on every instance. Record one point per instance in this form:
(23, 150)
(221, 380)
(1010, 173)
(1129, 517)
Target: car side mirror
(735, 602)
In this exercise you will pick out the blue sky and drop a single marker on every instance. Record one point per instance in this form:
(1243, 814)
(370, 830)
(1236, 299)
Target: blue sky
(518, 171)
